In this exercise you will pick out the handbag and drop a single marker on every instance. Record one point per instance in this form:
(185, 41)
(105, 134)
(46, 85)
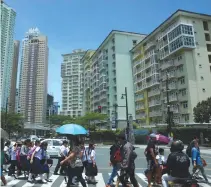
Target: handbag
(204, 163)
(94, 170)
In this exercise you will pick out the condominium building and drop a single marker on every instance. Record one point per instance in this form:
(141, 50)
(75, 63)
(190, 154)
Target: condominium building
(8, 16)
(175, 57)
(12, 97)
(72, 92)
(33, 77)
(110, 73)
(86, 62)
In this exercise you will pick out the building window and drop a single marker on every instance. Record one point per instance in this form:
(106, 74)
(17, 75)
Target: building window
(202, 78)
(203, 89)
(179, 58)
(186, 116)
(134, 42)
(185, 104)
(205, 25)
(182, 80)
(183, 92)
(207, 37)
(176, 32)
(176, 44)
(209, 57)
(186, 29)
(209, 47)
(200, 66)
(188, 41)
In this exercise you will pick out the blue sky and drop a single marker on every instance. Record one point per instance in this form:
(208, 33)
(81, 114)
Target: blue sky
(72, 24)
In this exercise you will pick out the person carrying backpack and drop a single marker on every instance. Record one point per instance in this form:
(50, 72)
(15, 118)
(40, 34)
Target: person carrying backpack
(115, 159)
(190, 146)
(127, 164)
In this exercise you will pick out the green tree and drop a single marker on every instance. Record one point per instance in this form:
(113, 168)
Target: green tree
(202, 111)
(59, 120)
(12, 122)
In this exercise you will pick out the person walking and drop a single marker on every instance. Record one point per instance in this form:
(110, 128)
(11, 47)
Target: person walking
(2, 161)
(197, 160)
(75, 166)
(128, 161)
(62, 155)
(91, 170)
(115, 159)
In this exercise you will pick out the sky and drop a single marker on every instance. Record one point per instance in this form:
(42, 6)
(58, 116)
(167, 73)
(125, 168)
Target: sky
(84, 24)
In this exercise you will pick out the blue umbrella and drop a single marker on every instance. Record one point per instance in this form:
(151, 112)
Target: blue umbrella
(72, 129)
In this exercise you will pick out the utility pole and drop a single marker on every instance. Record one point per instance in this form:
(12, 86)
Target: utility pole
(126, 102)
(115, 111)
(168, 104)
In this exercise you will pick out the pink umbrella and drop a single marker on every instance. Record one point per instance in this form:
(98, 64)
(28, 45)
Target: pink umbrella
(159, 137)
(162, 138)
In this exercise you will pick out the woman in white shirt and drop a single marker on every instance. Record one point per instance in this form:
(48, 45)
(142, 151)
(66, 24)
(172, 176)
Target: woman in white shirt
(36, 166)
(91, 170)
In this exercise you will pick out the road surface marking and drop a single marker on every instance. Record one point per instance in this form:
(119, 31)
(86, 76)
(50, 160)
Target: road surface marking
(53, 178)
(143, 177)
(13, 182)
(115, 180)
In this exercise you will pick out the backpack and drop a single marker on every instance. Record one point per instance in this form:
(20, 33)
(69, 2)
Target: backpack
(133, 156)
(117, 155)
(189, 149)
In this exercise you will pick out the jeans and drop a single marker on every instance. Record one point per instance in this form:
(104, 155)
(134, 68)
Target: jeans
(58, 166)
(201, 168)
(131, 173)
(113, 174)
(166, 178)
(74, 175)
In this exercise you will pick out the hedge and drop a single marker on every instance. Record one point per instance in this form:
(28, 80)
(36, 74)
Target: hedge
(185, 134)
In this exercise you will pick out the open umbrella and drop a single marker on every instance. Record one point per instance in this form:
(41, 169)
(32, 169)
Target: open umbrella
(4, 134)
(71, 129)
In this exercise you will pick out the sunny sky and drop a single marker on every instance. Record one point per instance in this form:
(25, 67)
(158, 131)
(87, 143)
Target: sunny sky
(73, 24)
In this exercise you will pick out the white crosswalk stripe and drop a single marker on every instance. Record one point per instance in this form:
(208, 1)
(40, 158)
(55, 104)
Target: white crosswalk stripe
(58, 181)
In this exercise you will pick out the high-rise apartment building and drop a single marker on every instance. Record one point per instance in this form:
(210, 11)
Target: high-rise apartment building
(111, 72)
(72, 92)
(50, 105)
(12, 97)
(86, 62)
(7, 31)
(175, 57)
(33, 77)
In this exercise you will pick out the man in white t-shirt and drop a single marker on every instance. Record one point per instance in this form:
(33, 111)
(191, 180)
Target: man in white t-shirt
(62, 155)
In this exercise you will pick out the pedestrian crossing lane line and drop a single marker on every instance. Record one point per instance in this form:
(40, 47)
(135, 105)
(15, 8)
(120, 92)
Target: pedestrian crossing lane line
(63, 184)
(53, 178)
(115, 180)
(13, 182)
(142, 177)
(29, 184)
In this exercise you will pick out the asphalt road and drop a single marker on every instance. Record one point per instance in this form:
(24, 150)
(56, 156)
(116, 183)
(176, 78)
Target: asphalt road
(102, 159)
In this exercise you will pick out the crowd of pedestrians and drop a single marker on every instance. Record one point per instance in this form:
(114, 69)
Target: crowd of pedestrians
(32, 159)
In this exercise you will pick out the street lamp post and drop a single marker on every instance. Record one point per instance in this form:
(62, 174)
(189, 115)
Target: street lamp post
(126, 102)
(168, 104)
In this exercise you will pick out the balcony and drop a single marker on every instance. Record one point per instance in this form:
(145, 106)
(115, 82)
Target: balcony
(154, 103)
(172, 98)
(171, 86)
(140, 107)
(171, 74)
(153, 93)
(155, 113)
(135, 55)
(139, 116)
(174, 109)
(149, 45)
(167, 64)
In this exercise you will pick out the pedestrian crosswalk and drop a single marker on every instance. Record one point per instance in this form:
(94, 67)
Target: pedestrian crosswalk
(59, 181)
